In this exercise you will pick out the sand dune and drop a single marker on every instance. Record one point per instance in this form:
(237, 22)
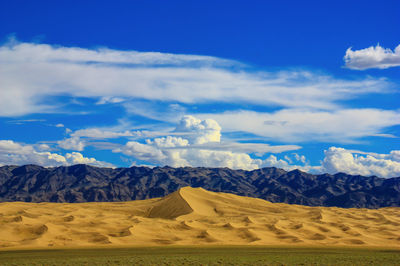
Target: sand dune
(193, 216)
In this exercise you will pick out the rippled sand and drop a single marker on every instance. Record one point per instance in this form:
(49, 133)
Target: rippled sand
(193, 216)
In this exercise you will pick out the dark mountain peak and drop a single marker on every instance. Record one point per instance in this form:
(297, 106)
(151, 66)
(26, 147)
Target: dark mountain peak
(82, 183)
(341, 174)
(28, 168)
(9, 167)
(296, 171)
(81, 169)
(271, 170)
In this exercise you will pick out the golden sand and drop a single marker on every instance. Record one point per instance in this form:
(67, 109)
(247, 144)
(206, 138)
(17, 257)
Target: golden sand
(193, 216)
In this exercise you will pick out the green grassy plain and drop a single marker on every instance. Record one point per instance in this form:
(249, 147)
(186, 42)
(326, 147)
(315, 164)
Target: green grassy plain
(194, 255)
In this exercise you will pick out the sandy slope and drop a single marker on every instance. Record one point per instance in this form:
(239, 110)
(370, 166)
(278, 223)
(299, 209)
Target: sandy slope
(193, 216)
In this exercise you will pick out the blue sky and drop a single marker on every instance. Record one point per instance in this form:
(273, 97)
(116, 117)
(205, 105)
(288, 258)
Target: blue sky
(240, 84)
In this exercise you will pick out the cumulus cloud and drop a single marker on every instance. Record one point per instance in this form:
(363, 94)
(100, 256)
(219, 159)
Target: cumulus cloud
(42, 147)
(200, 146)
(78, 158)
(290, 162)
(74, 143)
(200, 134)
(361, 163)
(13, 153)
(169, 142)
(302, 125)
(179, 157)
(203, 147)
(187, 156)
(273, 161)
(372, 57)
(203, 131)
(108, 75)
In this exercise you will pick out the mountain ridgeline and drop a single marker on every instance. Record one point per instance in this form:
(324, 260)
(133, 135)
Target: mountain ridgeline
(84, 183)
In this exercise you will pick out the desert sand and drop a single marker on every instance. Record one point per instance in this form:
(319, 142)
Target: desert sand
(193, 216)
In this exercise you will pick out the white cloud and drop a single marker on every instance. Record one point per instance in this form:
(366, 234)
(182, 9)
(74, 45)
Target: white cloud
(59, 125)
(361, 163)
(294, 157)
(105, 100)
(144, 152)
(158, 112)
(201, 148)
(79, 139)
(112, 75)
(190, 132)
(74, 143)
(179, 157)
(211, 152)
(78, 158)
(42, 147)
(24, 121)
(372, 57)
(13, 153)
(47, 53)
(99, 133)
(203, 131)
(257, 148)
(301, 125)
(272, 161)
(290, 163)
(300, 158)
(169, 142)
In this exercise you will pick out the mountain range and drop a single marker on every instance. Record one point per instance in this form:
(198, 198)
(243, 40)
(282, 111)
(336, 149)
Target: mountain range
(84, 183)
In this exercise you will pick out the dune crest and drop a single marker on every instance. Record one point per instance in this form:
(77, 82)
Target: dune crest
(193, 216)
(170, 207)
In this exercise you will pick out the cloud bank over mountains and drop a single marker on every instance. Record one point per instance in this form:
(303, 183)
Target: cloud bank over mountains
(361, 163)
(200, 145)
(13, 153)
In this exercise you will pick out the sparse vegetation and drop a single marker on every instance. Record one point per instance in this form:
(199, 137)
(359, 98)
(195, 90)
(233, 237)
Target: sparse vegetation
(194, 255)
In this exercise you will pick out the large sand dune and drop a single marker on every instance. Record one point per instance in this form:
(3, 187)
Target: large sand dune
(193, 216)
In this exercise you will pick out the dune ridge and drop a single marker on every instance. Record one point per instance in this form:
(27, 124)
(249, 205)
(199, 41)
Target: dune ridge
(170, 207)
(193, 216)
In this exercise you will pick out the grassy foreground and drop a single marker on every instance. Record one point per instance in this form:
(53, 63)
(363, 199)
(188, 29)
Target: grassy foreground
(243, 255)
